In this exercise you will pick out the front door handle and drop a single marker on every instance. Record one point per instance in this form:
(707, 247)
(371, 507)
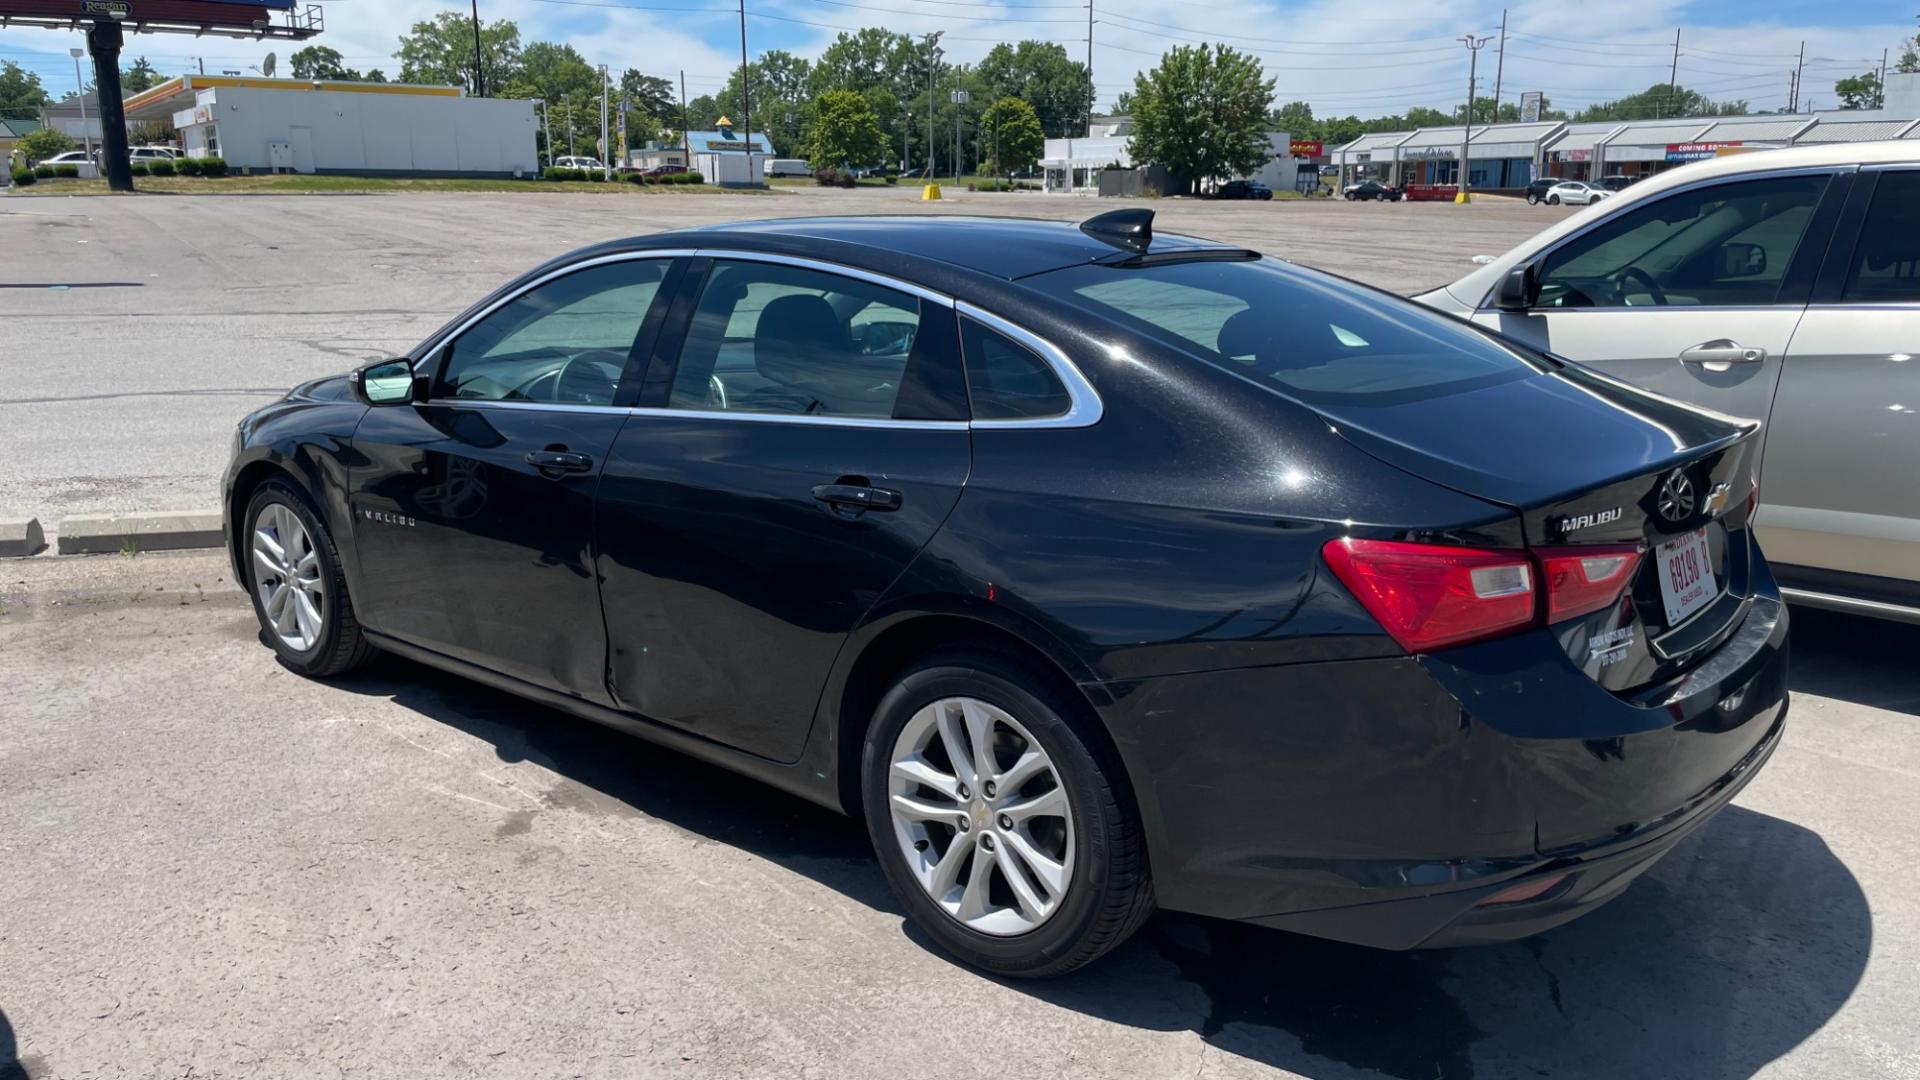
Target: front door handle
(1721, 354)
(857, 497)
(559, 461)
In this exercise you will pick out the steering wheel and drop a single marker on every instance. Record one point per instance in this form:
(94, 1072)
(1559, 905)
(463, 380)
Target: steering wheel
(716, 393)
(589, 378)
(1653, 287)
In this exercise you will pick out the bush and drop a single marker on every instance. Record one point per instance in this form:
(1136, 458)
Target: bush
(160, 167)
(43, 172)
(187, 166)
(137, 168)
(826, 177)
(596, 176)
(892, 179)
(692, 178)
(213, 166)
(66, 171)
(23, 177)
(562, 172)
(636, 178)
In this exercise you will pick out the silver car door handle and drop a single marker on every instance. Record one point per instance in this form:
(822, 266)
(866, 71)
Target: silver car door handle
(1721, 354)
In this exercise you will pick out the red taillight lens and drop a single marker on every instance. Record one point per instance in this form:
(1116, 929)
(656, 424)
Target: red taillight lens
(1427, 596)
(1584, 580)
(1753, 500)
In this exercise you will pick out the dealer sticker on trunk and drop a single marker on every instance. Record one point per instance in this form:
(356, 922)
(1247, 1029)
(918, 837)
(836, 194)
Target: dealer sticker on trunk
(1686, 575)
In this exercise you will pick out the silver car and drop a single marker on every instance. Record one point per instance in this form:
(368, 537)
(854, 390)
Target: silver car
(1778, 284)
(1575, 193)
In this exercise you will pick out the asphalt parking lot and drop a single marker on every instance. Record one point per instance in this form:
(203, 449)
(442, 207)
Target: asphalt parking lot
(211, 867)
(181, 314)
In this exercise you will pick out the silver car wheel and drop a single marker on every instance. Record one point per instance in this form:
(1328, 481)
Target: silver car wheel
(287, 578)
(981, 817)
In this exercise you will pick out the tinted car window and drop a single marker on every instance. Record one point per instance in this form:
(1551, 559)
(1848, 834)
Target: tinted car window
(1886, 266)
(1006, 380)
(564, 342)
(1316, 337)
(770, 338)
(1723, 245)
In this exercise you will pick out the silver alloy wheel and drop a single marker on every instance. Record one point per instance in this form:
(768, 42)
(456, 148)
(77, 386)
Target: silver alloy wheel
(981, 816)
(286, 575)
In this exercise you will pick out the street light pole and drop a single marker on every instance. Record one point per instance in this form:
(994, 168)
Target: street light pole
(80, 81)
(546, 128)
(606, 148)
(933, 39)
(479, 67)
(1474, 45)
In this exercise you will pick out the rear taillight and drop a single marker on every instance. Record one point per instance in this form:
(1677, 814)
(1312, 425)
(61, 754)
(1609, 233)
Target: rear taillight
(1584, 580)
(1428, 596)
(1753, 500)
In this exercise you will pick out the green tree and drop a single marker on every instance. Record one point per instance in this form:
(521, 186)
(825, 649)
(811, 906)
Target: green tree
(1296, 119)
(1040, 74)
(702, 113)
(1859, 92)
(1657, 102)
(141, 76)
(440, 50)
(652, 106)
(1202, 113)
(867, 58)
(44, 143)
(1014, 139)
(373, 75)
(842, 130)
(550, 71)
(780, 85)
(1909, 56)
(321, 62)
(21, 94)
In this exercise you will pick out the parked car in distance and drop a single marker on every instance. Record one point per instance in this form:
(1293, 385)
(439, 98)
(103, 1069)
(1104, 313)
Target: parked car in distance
(152, 153)
(913, 174)
(70, 157)
(1095, 569)
(1367, 190)
(1615, 182)
(788, 167)
(577, 161)
(1243, 189)
(663, 170)
(1538, 188)
(1575, 193)
(1782, 286)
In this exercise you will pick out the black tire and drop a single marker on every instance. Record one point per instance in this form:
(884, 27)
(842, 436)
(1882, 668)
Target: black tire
(1553, 200)
(340, 646)
(1351, 197)
(1109, 893)
(1533, 198)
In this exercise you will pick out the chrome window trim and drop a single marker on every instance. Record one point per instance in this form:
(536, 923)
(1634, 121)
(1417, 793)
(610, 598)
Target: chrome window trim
(1486, 301)
(800, 418)
(584, 264)
(1084, 407)
(527, 406)
(825, 267)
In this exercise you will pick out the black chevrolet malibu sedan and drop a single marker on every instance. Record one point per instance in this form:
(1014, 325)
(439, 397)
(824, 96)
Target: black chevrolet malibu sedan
(1096, 570)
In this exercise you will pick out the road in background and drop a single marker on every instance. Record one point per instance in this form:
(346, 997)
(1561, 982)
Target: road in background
(212, 867)
(134, 332)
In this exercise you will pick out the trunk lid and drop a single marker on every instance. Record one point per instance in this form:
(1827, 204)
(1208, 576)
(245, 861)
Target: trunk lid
(1589, 462)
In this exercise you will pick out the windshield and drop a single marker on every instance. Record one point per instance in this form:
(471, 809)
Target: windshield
(1317, 338)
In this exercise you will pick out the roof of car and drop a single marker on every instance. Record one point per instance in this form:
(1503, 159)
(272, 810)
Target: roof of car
(1002, 247)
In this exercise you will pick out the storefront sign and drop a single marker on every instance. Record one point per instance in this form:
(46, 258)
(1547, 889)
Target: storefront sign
(1420, 152)
(202, 114)
(1574, 155)
(1530, 106)
(119, 9)
(1305, 148)
(1695, 151)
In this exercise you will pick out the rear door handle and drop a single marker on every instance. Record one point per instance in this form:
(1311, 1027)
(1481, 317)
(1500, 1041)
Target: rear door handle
(559, 461)
(1721, 354)
(857, 497)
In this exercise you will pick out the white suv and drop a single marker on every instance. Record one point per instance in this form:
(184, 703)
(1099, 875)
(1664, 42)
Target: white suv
(1777, 284)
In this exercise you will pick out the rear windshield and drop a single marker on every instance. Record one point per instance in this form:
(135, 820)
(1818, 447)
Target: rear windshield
(1317, 338)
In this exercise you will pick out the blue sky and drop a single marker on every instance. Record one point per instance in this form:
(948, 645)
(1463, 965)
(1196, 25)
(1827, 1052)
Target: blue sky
(1342, 56)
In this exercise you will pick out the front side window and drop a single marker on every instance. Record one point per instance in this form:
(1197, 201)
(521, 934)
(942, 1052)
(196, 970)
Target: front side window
(1725, 245)
(1886, 262)
(1317, 338)
(773, 338)
(564, 342)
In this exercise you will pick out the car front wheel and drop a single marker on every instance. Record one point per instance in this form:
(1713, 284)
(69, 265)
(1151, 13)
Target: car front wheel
(1010, 838)
(298, 591)
(1553, 200)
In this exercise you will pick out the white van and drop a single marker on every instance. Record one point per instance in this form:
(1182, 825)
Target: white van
(788, 167)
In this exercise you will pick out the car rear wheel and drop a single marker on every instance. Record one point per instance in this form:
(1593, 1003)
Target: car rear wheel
(1008, 836)
(1533, 199)
(299, 594)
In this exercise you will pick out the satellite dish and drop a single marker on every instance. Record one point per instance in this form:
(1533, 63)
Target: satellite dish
(266, 66)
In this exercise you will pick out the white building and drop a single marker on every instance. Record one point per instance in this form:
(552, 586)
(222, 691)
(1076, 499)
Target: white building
(361, 129)
(1074, 165)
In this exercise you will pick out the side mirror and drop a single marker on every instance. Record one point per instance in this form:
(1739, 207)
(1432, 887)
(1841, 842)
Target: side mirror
(385, 382)
(1519, 289)
(1742, 260)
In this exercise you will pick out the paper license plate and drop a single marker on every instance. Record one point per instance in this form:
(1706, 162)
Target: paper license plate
(1687, 583)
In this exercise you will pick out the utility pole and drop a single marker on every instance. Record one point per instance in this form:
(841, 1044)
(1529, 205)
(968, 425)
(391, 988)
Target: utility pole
(1799, 74)
(1673, 73)
(80, 95)
(203, 63)
(566, 102)
(686, 139)
(479, 73)
(933, 40)
(606, 147)
(1091, 93)
(546, 128)
(1880, 93)
(746, 92)
(1500, 68)
(1474, 45)
(959, 101)
(906, 125)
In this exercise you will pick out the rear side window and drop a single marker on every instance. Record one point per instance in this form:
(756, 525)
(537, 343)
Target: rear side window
(1886, 262)
(1006, 380)
(1317, 338)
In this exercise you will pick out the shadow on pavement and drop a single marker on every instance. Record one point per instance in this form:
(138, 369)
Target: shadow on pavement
(1864, 661)
(11, 1067)
(1743, 942)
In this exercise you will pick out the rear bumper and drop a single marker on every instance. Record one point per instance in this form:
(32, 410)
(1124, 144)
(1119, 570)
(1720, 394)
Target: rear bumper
(1383, 801)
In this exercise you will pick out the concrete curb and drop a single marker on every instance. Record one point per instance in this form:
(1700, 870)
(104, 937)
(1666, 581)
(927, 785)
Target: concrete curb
(21, 536)
(88, 534)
